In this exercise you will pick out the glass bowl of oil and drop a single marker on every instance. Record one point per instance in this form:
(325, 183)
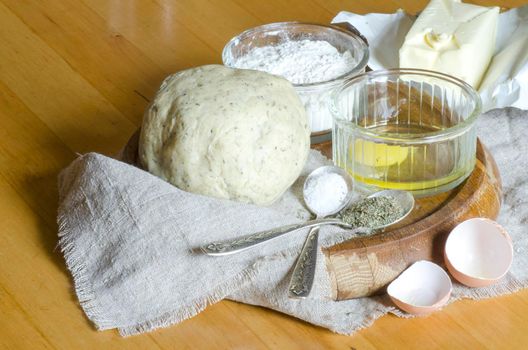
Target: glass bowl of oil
(405, 129)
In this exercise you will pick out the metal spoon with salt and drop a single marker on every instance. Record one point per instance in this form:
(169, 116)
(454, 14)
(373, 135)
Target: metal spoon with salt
(304, 271)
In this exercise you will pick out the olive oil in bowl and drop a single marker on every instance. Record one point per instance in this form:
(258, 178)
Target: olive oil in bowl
(419, 167)
(405, 129)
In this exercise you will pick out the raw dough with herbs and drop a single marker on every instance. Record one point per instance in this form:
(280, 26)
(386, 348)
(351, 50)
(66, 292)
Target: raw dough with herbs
(227, 133)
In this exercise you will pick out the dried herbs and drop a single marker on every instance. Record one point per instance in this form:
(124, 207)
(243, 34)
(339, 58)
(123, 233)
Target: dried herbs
(372, 212)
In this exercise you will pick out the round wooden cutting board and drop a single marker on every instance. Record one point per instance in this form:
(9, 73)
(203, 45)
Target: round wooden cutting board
(365, 265)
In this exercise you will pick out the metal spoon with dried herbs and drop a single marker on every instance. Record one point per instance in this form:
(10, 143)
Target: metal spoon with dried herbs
(377, 211)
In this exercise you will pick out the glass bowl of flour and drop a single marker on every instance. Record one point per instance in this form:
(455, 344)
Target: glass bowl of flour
(315, 58)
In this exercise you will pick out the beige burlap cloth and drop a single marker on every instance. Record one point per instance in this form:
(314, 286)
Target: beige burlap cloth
(128, 239)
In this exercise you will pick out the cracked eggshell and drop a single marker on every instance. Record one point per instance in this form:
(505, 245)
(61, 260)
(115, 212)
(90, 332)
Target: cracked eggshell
(478, 252)
(423, 288)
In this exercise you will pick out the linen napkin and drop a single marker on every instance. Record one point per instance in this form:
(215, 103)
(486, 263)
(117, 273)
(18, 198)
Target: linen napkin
(130, 239)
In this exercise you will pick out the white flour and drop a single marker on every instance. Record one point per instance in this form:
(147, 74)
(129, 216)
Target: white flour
(301, 62)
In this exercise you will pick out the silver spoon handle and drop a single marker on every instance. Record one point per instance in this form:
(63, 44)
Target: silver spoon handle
(243, 243)
(304, 271)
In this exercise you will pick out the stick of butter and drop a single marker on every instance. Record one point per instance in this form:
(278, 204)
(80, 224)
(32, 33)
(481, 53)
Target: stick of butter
(500, 86)
(453, 38)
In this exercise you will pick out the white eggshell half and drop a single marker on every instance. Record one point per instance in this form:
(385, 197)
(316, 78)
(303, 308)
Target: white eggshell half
(478, 252)
(422, 288)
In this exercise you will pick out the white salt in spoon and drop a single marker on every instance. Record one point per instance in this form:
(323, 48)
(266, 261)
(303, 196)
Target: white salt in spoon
(303, 274)
(323, 199)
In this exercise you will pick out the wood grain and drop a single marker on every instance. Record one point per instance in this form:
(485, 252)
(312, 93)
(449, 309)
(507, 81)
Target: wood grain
(75, 77)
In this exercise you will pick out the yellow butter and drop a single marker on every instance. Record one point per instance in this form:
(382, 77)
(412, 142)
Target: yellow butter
(453, 38)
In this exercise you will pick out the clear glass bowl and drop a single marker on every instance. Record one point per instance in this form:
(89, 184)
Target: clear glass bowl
(406, 129)
(315, 96)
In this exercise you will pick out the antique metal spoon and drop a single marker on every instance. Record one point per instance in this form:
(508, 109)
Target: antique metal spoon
(303, 273)
(239, 244)
(304, 270)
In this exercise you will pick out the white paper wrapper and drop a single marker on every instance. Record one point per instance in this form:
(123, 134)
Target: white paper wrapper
(506, 81)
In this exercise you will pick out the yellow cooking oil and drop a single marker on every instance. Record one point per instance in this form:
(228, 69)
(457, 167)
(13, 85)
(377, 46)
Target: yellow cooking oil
(413, 166)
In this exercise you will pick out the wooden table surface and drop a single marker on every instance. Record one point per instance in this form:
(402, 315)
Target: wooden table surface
(75, 76)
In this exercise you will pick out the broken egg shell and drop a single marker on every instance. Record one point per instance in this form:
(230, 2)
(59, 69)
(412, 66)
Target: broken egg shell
(421, 289)
(478, 252)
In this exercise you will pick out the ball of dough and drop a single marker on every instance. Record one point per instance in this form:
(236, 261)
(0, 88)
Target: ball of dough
(227, 133)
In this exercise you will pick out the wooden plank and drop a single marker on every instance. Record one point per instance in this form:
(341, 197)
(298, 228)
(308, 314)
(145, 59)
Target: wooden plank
(485, 324)
(43, 153)
(282, 11)
(102, 56)
(217, 328)
(76, 112)
(176, 41)
(360, 6)
(293, 333)
(15, 322)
